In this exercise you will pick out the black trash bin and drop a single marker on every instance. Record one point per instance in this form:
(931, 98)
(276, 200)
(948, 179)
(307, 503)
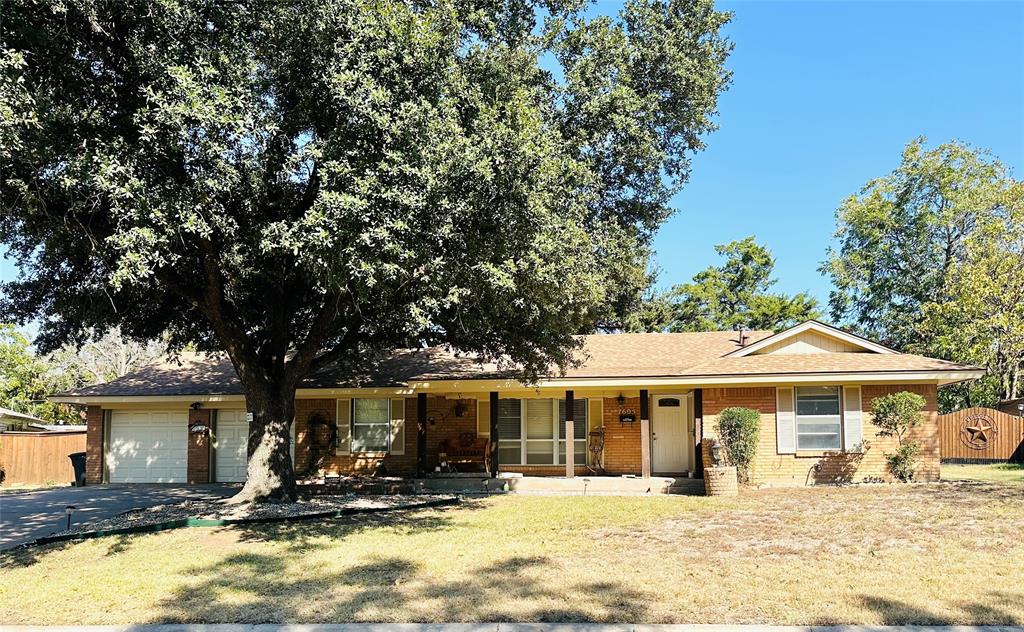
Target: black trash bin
(78, 463)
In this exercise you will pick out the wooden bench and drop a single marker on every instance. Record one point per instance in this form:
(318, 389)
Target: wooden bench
(466, 453)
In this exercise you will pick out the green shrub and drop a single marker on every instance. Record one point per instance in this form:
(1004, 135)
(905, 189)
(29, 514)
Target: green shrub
(903, 461)
(738, 429)
(895, 414)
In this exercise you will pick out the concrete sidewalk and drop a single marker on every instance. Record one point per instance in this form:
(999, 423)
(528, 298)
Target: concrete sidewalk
(508, 627)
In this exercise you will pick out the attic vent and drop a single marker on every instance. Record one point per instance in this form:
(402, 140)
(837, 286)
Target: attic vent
(743, 336)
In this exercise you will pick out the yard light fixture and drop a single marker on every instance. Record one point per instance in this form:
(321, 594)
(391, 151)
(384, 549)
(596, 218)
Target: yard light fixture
(1020, 410)
(67, 510)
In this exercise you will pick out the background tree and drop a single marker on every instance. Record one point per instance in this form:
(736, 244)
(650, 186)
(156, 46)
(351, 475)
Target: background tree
(106, 358)
(915, 249)
(310, 183)
(736, 293)
(900, 235)
(27, 379)
(980, 317)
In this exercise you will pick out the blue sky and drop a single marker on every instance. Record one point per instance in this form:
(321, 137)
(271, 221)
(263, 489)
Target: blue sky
(824, 97)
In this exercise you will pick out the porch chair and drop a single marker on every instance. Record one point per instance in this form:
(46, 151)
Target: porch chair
(595, 446)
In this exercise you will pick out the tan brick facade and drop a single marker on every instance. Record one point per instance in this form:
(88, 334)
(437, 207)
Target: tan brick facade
(198, 466)
(443, 423)
(621, 441)
(773, 469)
(94, 445)
(927, 434)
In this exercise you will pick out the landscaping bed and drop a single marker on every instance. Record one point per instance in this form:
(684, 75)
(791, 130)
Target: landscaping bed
(368, 485)
(219, 510)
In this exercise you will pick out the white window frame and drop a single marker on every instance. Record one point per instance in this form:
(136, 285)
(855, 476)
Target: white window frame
(387, 426)
(556, 442)
(838, 418)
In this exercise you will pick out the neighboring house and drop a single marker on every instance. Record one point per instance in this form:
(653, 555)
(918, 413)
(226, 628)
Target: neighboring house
(1012, 406)
(656, 396)
(13, 420)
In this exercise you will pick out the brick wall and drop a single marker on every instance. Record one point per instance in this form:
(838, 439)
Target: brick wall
(442, 424)
(772, 469)
(621, 442)
(198, 448)
(927, 434)
(543, 470)
(94, 445)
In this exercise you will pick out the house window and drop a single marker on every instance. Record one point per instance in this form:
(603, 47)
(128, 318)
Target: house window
(532, 431)
(818, 419)
(370, 423)
(510, 431)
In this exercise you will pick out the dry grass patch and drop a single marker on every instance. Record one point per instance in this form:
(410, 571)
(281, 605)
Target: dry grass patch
(881, 554)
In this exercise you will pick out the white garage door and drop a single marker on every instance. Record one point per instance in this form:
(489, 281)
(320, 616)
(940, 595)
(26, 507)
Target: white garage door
(229, 446)
(148, 447)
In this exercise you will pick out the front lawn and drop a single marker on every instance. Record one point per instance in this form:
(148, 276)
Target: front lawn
(940, 553)
(990, 473)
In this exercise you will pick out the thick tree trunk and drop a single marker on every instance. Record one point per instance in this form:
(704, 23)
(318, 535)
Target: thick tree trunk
(270, 476)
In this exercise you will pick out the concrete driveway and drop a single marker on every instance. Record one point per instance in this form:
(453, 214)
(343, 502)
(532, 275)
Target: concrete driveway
(25, 516)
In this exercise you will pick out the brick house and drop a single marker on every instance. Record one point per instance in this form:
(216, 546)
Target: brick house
(650, 400)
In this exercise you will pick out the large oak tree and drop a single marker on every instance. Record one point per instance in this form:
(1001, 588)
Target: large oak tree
(304, 183)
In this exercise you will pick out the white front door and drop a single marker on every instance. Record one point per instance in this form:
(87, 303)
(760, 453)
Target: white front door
(230, 445)
(147, 447)
(670, 453)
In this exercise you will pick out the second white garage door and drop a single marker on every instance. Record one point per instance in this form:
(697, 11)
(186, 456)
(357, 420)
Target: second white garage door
(148, 447)
(229, 446)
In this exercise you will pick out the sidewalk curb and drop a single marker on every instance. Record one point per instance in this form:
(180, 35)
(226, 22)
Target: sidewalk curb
(506, 627)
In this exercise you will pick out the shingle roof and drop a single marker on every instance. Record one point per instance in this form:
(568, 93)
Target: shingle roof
(824, 363)
(602, 356)
(655, 354)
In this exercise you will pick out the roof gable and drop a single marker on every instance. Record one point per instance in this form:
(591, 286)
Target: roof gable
(811, 337)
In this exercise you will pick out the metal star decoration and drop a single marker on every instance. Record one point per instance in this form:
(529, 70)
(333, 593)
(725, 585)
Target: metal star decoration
(980, 431)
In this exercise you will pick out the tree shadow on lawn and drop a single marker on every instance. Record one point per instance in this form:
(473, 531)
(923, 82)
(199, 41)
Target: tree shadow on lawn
(300, 535)
(988, 608)
(30, 555)
(276, 588)
(306, 535)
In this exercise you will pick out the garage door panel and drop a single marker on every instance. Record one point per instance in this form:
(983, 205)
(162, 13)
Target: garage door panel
(230, 446)
(148, 447)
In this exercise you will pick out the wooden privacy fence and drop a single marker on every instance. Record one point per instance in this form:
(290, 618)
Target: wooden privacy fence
(39, 457)
(977, 435)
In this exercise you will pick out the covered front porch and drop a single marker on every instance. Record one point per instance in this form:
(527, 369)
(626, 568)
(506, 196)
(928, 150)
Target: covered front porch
(512, 433)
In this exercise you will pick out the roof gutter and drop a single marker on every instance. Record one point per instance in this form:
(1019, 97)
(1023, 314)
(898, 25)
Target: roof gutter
(452, 387)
